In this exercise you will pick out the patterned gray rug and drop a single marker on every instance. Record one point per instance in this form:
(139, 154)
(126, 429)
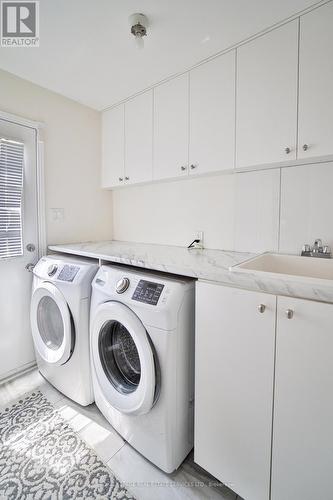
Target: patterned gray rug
(41, 457)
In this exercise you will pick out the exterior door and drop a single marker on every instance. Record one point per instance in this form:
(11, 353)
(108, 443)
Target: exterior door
(18, 243)
(123, 359)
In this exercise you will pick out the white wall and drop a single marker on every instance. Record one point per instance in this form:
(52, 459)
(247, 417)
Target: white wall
(275, 209)
(72, 159)
(171, 212)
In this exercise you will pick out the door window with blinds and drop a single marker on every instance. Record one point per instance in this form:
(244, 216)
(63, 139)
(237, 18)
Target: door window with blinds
(11, 196)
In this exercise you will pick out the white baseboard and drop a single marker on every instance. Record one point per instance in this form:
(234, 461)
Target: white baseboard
(17, 372)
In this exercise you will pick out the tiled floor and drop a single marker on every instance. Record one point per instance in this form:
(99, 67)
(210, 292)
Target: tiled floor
(143, 479)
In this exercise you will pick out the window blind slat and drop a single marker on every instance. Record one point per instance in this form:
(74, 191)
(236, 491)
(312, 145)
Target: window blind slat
(11, 191)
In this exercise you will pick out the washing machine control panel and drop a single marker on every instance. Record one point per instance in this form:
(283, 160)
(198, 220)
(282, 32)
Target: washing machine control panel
(68, 272)
(148, 292)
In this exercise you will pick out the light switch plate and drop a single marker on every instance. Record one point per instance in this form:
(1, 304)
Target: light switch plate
(57, 214)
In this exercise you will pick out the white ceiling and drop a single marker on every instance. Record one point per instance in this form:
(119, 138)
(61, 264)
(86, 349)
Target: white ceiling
(87, 53)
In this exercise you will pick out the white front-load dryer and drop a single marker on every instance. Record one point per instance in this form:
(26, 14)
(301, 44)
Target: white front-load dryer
(142, 353)
(59, 315)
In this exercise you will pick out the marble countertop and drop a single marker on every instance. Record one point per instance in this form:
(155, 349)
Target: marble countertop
(211, 265)
(204, 264)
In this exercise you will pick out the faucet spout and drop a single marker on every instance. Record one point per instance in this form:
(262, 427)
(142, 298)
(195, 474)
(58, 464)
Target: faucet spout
(317, 250)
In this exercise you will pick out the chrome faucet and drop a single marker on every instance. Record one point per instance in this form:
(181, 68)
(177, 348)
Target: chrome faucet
(317, 250)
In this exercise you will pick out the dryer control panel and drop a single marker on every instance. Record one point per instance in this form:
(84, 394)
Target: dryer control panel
(68, 272)
(148, 292)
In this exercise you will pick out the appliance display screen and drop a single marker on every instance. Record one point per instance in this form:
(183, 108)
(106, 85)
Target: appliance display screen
(68, 273)
(148, 292)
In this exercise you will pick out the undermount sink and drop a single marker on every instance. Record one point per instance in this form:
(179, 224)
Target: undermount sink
(291, 265)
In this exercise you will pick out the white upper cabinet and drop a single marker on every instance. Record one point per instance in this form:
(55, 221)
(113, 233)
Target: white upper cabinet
(113, 147)
(171, 128)
(266, 118)
(316, 83)
(212, 115)
(270, 101)
(139, 138)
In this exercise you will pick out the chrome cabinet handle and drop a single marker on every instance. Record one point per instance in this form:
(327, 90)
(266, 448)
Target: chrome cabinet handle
(289, 313)
(183, 168)
(121, 179)
(287, 150)
(305, 147)
(192, 167)
(261, 308)
(126, 178)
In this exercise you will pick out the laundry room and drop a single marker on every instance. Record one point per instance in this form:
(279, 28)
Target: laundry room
(166, 271)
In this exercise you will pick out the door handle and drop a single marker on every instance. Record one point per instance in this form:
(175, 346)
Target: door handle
(30, 267)
(30, 247)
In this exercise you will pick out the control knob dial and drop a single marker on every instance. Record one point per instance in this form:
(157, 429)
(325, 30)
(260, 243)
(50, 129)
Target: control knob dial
(122, 285)
(52, 269)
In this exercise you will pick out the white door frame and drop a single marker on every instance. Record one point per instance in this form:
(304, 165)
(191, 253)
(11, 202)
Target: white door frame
(40, 187)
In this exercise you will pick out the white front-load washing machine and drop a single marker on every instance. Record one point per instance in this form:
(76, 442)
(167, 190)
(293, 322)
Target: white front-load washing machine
(59, 315)
(142, 353)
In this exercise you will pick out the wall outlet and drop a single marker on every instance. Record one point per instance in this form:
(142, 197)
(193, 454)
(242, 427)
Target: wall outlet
(199, 236)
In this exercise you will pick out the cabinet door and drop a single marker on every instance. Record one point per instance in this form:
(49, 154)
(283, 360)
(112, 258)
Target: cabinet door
(212, 115)
(266, 118)
(303, 410)
(171, 128)
(234, 387)
(139, 138)
(113, 147)
(316, 83)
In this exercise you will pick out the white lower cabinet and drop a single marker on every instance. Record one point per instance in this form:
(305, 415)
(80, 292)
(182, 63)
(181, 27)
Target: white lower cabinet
(302, 459)
(261, 453)
(234, 387)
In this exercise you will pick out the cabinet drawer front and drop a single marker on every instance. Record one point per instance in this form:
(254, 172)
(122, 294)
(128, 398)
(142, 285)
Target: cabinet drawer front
(303, 410)
(235, 334)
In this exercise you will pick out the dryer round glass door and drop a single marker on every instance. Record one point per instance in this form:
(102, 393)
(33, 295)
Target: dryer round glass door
(51, 324)
(124, 360)
(119, 357)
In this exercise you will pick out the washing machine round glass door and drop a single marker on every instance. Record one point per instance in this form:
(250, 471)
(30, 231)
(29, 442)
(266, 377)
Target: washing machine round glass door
(124, 359)
(51, 324)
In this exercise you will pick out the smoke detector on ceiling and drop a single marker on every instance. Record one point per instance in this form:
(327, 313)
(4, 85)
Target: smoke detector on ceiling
(139, 24)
